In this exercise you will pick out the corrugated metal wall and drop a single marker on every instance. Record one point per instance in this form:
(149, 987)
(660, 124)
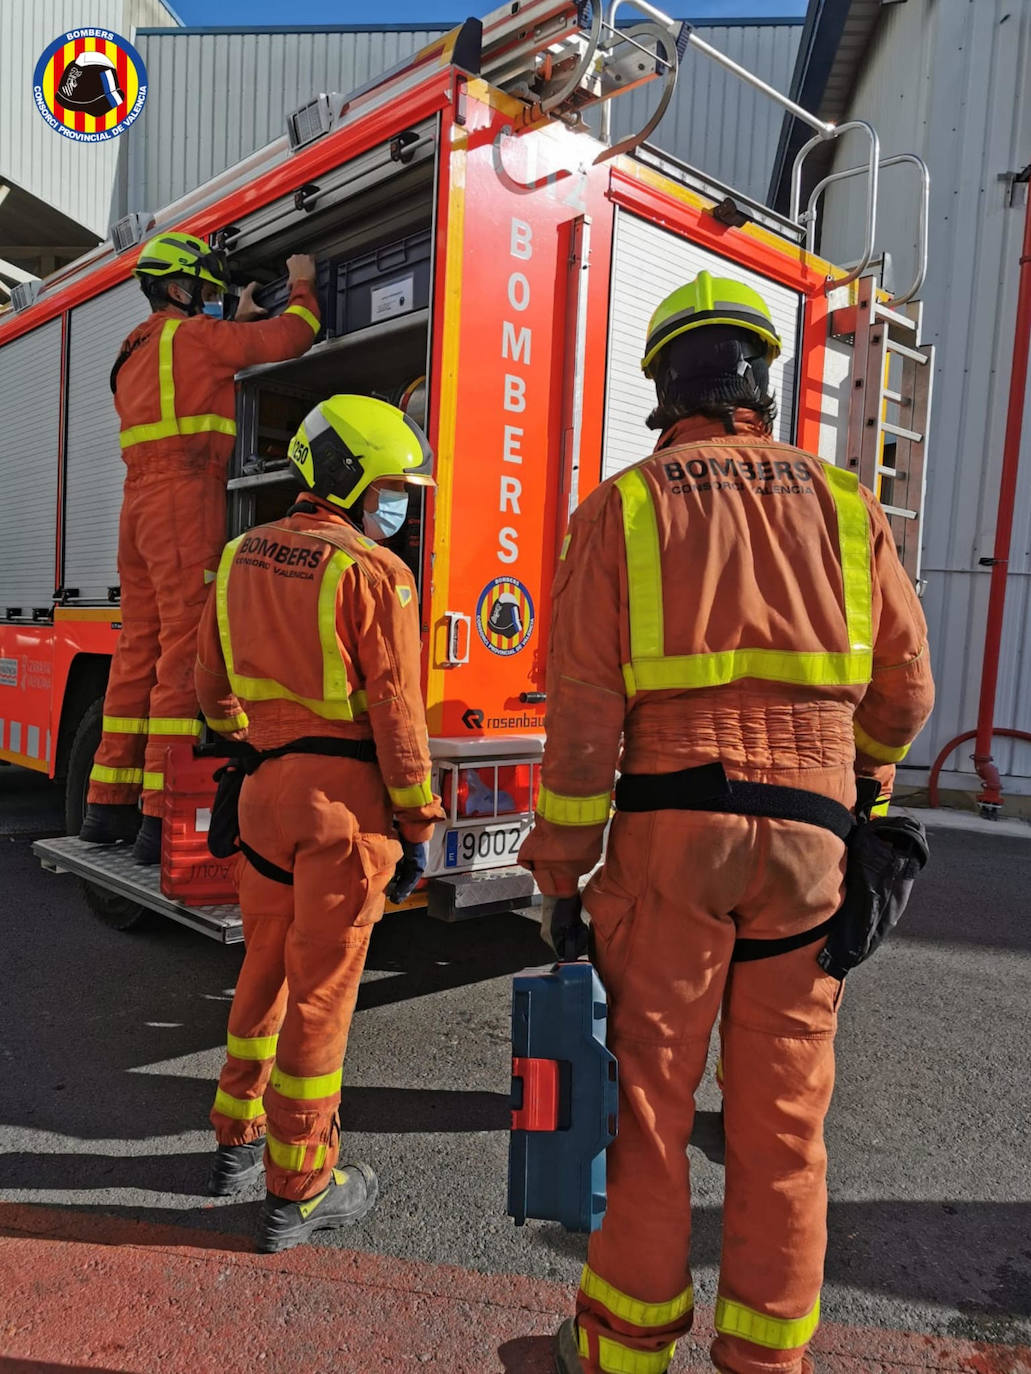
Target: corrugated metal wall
(77, 179)
(216, 97)
(717, 123)
(951, 80)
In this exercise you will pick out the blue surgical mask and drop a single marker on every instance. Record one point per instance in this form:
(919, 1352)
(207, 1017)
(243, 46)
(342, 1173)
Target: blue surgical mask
(388, 517)
(214, 309)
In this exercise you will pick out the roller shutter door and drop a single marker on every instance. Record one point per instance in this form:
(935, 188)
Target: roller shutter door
(647, 264)
(95, 467)
(30, 417)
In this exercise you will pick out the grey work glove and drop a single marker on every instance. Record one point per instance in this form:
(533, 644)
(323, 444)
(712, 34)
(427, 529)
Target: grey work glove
(562, 927)
(410, 868)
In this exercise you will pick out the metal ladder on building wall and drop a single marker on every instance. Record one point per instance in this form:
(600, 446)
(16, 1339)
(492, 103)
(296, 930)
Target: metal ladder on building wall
(888, 415)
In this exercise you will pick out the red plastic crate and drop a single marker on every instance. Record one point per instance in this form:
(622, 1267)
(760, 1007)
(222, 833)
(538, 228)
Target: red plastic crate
(189, 873)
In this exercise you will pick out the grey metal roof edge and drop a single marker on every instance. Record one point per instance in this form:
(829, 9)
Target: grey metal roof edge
(445, 25)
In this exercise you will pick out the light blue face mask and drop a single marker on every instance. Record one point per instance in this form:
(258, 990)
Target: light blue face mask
(388, 517)
(215, 309)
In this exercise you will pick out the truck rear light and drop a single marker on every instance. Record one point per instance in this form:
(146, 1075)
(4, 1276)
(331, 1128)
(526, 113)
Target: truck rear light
(490, 790)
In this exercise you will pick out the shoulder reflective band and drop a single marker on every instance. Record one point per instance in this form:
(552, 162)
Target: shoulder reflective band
(561, 810)
(252, 1046)
(239, 1108)
(306, 1089)
(873, 748)
(775, 1333)
(614, 1358)
(633, 1310)
(417, 795)
(305, 315)
(170, 424)
(337, 701)
(650, 669)
(292, 1156)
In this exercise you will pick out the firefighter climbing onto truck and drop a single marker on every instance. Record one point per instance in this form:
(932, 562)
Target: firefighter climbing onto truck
(745, 710)
(310, 651)
(174, 390)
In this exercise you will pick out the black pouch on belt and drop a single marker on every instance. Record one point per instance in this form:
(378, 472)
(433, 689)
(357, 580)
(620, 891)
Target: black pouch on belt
(224, 827)
(885, 854)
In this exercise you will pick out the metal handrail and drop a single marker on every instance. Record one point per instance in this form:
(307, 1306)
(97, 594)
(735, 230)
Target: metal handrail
(672, 64)
(809, 217)
(922, 231)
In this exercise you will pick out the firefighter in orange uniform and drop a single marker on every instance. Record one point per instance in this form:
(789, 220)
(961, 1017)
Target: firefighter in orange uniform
(734, 611)
(310, 647)
(176, 400)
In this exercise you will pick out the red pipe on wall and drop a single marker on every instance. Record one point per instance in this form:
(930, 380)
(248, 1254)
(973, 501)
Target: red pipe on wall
(990, 797)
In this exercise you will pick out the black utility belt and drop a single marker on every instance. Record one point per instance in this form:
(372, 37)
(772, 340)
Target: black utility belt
(224, 830)
(885, 854)
(707, 788)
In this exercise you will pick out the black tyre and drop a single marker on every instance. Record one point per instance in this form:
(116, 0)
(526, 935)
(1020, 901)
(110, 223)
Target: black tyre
(120, 913)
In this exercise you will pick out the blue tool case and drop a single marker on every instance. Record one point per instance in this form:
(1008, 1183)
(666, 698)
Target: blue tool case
(565, 1094)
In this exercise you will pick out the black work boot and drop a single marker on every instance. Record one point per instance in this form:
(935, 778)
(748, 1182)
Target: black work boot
(567, 1356)
(147, 849)
(234, 1166)
(106, 824)
(351, 1195)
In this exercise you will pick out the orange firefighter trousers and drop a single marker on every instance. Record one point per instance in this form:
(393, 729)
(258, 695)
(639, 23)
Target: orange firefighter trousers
(676, 889)
(328, 821)
(170, 537)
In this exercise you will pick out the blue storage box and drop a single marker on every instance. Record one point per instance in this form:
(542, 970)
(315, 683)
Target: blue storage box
(565, 1095)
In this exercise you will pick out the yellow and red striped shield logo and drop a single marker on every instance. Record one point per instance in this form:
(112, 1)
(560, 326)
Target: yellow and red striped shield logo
(504, 616)
(90, 85)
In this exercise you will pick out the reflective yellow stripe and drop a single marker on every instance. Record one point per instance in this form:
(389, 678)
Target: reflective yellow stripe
(644, 567)
(231, 723)
(205, 424)
(614, 1358)
(305, 315)
(292, 1156)
(650, 670)
(174, 725)
(169, 424)
(305, 1089)
(337, 702)
(565, 547)
(125, 725)
(854, 550)
(239, 1108)
(866, 744)
(209, 577)
(775, 1333)
(98, 773)
(418, 794)
(771, 665)
(562, 810)
(252, 1046)
(634, 1310)
(881, 807)
(153, 782)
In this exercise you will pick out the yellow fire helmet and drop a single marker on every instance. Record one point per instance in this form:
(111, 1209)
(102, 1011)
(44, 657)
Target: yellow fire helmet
(709, 300)
(182, 255)
(347, 442)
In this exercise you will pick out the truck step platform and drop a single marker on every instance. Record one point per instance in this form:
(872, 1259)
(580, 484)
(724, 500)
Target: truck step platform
(113, 868)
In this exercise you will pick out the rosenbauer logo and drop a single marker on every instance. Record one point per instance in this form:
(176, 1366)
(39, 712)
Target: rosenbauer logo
(90, 85)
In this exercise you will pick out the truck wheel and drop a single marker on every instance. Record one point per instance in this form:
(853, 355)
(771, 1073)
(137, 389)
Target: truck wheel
(120, 913)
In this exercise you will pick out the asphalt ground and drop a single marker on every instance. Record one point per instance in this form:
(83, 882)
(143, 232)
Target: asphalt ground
(112, 1043)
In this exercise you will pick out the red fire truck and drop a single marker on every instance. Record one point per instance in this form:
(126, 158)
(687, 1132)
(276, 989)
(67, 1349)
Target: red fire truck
(481, 252)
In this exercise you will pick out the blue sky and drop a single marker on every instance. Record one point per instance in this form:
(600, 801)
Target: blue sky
(257, 13)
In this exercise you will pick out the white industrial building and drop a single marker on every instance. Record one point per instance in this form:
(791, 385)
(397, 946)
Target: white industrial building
(949, 80)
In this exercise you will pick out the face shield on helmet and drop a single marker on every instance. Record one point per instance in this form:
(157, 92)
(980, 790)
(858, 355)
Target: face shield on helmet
(348, 443)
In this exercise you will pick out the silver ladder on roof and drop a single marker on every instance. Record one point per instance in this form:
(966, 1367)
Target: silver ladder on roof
(888, 416)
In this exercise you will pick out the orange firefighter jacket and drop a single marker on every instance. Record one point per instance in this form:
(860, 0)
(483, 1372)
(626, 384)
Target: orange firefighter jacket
(174, 388)
(728, 598)
(314, 630)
